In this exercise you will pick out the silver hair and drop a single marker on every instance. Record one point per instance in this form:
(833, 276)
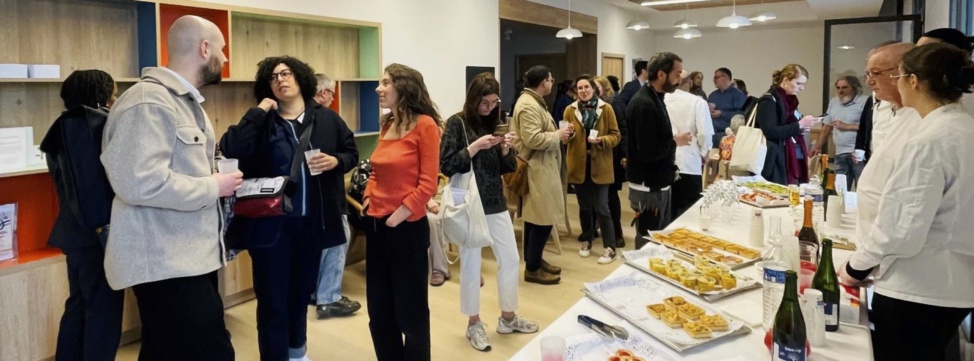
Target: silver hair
(324, 82)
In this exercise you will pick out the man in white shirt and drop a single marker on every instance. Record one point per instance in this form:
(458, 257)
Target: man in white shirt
(689, 114)
(891, 121)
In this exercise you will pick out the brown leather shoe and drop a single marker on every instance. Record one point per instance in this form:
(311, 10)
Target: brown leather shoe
(541, 277)
(549, 268)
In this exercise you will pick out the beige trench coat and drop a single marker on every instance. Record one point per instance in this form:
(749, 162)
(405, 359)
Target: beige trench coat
(538, 144)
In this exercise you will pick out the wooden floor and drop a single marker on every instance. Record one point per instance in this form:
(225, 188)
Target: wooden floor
(348, 338)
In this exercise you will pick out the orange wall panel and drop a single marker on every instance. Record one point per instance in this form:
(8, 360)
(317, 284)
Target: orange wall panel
(168, 15)
(37, 208)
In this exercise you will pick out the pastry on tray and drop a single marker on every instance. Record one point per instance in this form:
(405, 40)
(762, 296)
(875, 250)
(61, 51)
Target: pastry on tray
(714, 322)
(728, 281)
(749, 253)
(696, 329)
(691, 311)
(673, 303)
(672, 319)
(731, 260)
(656, 310)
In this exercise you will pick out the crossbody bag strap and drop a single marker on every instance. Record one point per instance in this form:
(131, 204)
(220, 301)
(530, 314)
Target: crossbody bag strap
(304, 143)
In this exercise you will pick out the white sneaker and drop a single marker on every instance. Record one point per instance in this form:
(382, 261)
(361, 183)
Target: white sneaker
(305, 358)
(516, 324)
(586, 250)
(608, 256)
(477, 335)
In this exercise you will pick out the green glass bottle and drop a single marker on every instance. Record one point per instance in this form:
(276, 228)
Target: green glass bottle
(826, 281)
(789, 340)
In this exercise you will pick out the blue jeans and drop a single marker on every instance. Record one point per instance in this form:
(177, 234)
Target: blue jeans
(331, 270)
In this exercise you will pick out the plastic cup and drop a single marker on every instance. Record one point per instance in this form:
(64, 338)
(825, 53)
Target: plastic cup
(227, 165)
(563, 124)
(860, 154)
(593, 134)
(805, 279)
(310, 154)
(553, 348)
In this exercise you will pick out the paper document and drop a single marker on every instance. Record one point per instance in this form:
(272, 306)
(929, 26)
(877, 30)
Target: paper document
(13, 148)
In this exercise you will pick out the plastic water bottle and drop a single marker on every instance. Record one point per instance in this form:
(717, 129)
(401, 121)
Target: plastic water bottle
(817, 193)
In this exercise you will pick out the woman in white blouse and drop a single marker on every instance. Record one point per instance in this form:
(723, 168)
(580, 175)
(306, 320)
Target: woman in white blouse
(915, 225)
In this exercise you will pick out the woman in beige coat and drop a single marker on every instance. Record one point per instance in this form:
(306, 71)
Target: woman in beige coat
(539, 143)
(589, 161)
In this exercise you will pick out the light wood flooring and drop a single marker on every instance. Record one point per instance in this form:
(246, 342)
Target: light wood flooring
(348, 338)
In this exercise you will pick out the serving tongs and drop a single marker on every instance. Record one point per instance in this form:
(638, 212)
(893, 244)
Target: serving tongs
(606, 332)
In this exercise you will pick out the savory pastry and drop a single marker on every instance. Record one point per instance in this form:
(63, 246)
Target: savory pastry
(672, 319)
(706, 284)
(675, 301)
(691, 311)
(658, 266)
(714, 322)
(735, 249)
(674, 273)
(656, 310)
(728, 281)
(696, 329)
(688, 280)
(625, 353)
(731, 260)
(749, 253)
(713, 255)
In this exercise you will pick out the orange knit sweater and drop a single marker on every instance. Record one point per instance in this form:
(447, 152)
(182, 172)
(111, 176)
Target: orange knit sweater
(404, 171)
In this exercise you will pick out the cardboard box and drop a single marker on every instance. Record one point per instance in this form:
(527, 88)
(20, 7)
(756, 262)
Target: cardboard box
(44, 71)
(13, 71)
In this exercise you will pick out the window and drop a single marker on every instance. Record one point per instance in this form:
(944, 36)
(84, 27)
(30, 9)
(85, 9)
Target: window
(962, 15)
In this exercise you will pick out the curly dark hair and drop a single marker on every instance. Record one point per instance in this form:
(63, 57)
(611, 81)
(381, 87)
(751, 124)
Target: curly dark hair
(92, 88)
(414, 99)
(304, 76)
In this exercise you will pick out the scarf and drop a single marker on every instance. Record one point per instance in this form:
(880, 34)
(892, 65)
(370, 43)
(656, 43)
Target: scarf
(589, 114)
(795, 170)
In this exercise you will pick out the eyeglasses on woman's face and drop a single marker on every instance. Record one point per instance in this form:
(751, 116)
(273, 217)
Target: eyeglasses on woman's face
(282, 76)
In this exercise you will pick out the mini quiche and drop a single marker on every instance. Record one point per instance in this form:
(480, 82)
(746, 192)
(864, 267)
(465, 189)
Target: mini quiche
(672, 319)
(714, 322)
(673, 303)
(691, 311)
(656, 310)
(696, 329)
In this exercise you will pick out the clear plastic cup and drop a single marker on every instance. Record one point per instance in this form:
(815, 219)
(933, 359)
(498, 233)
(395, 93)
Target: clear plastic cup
(310, 154)
(553, 348)
(227, 165)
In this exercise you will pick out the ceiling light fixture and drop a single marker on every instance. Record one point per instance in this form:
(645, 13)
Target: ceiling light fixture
(687, 34)
(569, 32)
(637, 25)
(734, 21)
(686, 23)
(764, 15)
(667, 2)
(847, 47)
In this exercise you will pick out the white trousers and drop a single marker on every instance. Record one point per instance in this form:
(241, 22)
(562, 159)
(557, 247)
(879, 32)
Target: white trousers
(505, 251)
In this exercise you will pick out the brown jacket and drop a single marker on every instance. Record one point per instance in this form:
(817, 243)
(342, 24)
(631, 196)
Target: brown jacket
(537, 142)
(602, 171)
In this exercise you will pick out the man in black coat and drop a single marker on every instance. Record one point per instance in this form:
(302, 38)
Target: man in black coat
(650, 165)
(631, 88)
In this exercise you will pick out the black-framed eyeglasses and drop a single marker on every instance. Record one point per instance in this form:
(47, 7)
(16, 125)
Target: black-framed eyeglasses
(283, 75)
(876, 74)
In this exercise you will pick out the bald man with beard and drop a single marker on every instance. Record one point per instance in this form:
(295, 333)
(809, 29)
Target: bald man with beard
(166, 229)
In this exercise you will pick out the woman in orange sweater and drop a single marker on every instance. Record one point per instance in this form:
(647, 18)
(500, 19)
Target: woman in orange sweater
(404, 174)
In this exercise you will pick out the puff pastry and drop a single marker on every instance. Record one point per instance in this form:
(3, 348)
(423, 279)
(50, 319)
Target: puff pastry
(714, 322)
(656, 310)
(697, 329)
(672, 319)
(691, 312)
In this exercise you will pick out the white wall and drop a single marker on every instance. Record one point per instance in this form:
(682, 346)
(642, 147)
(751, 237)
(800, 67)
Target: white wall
(753, 53)
(613, 36)
(437, 37)
(937, 16)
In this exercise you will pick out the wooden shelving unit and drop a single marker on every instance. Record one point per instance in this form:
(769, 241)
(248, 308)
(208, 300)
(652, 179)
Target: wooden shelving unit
(121, 38)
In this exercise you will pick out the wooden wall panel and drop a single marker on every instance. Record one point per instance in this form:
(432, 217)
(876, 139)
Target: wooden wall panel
(534, 13)
(226, 103)
(31, 305)
(328, 49)
(350, 104)
(583, 56)
(74, 34)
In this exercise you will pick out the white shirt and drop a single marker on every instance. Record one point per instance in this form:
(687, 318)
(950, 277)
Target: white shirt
(967, 100)
(889, 123)
(192, 89)
(690, 113)
(915, 222)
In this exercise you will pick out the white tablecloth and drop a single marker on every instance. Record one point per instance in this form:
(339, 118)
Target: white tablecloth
(851, 342)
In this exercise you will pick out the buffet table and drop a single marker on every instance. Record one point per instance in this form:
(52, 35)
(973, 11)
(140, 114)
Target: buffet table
(851, 342)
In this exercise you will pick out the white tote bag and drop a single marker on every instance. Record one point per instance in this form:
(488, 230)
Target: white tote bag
(463, 220)
(750, 147)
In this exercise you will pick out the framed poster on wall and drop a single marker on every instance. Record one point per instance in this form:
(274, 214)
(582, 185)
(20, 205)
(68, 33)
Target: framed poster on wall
(8, 231)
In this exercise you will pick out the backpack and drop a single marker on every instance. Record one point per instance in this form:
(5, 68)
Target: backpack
(358, 181)
(74, 143)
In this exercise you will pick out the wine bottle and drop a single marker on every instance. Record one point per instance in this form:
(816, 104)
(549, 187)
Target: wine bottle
(825, 167)
(829, 189)
(808, 240)
(826, 281)
(788, 341)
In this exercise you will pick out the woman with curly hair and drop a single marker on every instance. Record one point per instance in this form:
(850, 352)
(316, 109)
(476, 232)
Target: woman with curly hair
(286, 250)
(405, 165)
